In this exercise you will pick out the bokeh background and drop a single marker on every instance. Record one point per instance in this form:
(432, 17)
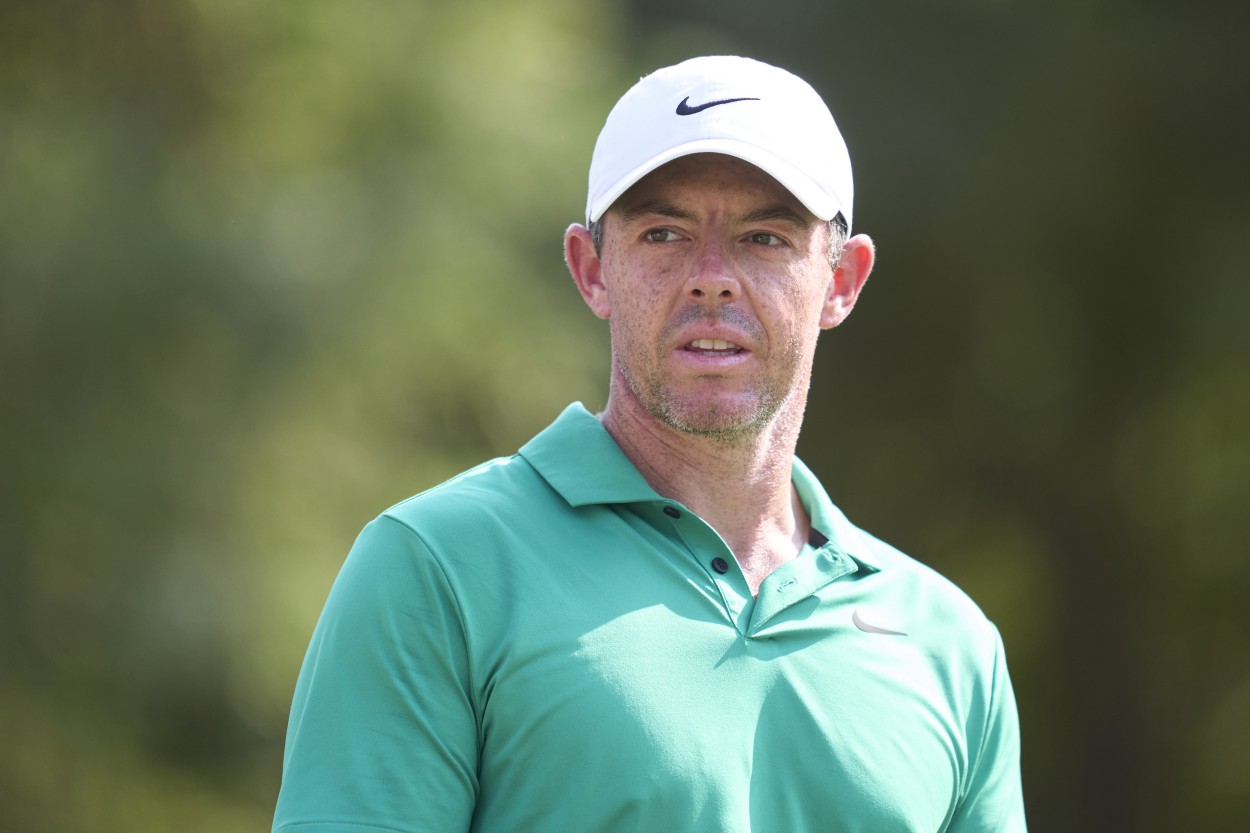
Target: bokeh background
(267, 268)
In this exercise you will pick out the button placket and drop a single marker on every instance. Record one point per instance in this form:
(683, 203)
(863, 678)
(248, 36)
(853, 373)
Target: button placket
(798, 580)
(699, 538)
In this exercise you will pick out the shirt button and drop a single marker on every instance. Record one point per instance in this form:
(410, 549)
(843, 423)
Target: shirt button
(672, 512)
(720, 565)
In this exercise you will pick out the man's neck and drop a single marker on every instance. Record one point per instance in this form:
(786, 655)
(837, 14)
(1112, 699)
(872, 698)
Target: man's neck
(742, 488)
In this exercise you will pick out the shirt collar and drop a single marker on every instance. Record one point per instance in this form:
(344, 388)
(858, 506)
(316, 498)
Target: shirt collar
(829, 519)
(579, 459)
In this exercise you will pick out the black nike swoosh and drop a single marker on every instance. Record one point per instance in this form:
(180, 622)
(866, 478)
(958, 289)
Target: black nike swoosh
(685, 109)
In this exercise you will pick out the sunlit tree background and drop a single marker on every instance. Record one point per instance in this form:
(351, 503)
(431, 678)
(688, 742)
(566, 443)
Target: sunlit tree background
(267, 268)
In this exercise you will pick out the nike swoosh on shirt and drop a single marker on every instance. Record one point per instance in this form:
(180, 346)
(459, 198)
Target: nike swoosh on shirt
(867, 628)
(684, 108)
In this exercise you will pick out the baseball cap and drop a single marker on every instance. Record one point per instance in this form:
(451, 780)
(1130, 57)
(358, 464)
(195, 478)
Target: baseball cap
(724, 104)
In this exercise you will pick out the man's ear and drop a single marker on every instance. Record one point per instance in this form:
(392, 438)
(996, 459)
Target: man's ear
(586, 268)
(858, 255)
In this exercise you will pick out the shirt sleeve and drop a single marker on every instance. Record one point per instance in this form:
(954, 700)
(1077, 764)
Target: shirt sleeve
(994, 802)
(383, 733)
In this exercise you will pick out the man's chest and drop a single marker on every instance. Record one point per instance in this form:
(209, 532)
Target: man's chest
(664, 714)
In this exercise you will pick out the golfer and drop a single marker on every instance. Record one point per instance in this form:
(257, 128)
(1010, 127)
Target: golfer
(653, 618)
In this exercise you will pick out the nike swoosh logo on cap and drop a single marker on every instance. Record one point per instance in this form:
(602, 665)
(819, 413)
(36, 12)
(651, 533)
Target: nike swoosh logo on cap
(867, 628)
(684, 109)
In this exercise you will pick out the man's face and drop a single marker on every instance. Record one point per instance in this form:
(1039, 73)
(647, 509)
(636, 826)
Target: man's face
(717, 283)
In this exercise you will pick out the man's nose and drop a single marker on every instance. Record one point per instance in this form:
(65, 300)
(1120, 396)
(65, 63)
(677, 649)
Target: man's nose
(712, 276)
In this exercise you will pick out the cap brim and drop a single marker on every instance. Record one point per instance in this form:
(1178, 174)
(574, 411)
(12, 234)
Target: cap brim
(818, 201)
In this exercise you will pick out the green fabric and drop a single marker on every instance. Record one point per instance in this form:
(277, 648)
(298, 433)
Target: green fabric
(536, 646)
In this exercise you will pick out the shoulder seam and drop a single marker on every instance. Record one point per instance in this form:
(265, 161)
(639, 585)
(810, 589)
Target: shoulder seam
(995, 692)
(464, 631)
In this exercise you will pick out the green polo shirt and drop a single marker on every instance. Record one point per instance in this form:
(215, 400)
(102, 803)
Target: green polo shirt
(546, 644)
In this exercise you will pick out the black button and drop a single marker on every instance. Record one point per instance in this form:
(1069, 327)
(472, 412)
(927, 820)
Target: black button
(672, 512)
(720, 565)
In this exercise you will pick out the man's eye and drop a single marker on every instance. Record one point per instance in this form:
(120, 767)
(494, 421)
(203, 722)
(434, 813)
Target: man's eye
(764, 238)
(660, 235)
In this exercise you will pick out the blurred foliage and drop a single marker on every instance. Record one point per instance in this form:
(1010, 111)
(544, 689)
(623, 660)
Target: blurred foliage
(268, 268)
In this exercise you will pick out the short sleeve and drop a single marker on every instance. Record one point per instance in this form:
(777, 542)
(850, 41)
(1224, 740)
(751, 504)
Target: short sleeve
(383, 733)
(994, 802)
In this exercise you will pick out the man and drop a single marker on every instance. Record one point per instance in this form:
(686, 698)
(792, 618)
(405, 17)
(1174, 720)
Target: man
(655, 619)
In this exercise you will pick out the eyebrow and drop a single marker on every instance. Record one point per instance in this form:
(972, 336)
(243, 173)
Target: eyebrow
(653, 207)
(768, 213)
(783, 213)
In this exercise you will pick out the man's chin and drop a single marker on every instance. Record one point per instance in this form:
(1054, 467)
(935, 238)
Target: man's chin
(722, 422)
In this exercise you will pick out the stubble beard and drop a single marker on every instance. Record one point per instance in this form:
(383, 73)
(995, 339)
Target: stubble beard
(725, 423)
(714, 421)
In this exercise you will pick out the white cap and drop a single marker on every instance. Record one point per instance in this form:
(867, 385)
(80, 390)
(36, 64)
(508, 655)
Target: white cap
(736, 106)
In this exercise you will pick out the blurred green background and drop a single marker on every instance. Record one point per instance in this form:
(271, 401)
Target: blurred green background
(267, 268)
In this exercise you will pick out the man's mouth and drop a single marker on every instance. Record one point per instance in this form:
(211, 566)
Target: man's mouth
(713, 347)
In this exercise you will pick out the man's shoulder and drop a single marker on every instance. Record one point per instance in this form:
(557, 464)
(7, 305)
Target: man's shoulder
(475, 536)
(501, 486)
(897, 581)
(936, 602)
